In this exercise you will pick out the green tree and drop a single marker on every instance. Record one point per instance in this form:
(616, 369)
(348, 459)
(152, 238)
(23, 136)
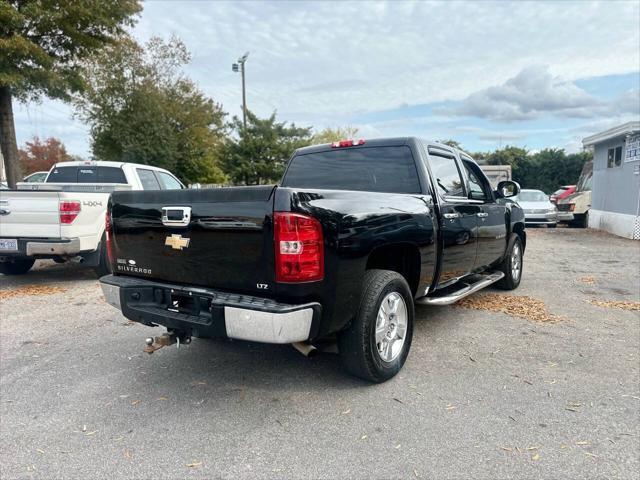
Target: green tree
(259, 153)
(329, 135)
(452, 143)
(142, 109)
(42, 46)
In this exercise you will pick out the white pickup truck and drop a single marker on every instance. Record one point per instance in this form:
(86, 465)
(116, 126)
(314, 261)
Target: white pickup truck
(63, 218)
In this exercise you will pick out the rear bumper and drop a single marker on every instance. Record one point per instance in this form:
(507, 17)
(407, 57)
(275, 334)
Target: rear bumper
(210, 313)
(42, 247)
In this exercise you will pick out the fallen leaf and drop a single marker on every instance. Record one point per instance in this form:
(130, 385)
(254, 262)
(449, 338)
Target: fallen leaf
(398, 400)
(507, 449)
(398, 446)
(127, 454)
(194, 465)
(590, 454)
(536, 457)
(31, 290)
(363, 437)
(135, 402)
(39, 450)
(583, 443)
(347, 411)
(619, 304)
(162, 398)
(515, 305)
(450, 407)
(91, 433)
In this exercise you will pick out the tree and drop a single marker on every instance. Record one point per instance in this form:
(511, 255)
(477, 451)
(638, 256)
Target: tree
(452, 143)
(142, 109)
(260, 152)
(39, 155)
(329, 135)
(42, 46)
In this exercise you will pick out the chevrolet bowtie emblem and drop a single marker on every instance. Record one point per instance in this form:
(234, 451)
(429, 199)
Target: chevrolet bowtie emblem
(177, 242)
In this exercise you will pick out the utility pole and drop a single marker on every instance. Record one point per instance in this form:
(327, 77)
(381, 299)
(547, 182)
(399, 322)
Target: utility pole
(240, 66)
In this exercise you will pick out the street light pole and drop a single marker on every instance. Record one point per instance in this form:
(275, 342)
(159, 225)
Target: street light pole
(241, 61)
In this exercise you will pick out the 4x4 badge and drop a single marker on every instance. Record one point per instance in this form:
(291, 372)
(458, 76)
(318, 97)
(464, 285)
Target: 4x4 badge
(177, 242)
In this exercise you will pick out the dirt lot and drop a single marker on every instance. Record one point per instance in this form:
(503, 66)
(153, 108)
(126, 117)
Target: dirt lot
(484, 394)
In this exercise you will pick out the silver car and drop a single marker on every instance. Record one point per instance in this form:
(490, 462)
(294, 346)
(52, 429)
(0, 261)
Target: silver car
(538, 209)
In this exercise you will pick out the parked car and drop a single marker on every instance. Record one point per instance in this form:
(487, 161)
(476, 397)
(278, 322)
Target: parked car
(562, 192)
(355, 234)
(538, 209)
(63, 218)
(36, 177)
(574, 208)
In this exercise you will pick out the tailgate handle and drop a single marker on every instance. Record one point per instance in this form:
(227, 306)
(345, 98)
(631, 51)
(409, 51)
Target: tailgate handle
(176, 216)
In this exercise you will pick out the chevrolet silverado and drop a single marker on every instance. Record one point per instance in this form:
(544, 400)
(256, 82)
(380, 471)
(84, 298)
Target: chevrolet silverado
(356, 233)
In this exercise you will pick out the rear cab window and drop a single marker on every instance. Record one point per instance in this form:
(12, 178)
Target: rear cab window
(382, 169)
(87, 174)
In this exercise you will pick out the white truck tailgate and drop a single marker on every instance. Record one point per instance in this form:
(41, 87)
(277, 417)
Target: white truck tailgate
(29, 214)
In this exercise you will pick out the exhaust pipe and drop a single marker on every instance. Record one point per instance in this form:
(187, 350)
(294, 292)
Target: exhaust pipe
(306, 349)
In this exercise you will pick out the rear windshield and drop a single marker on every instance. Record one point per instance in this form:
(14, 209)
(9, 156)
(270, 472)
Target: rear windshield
(375, 169)
(532, 196)
(87, 174)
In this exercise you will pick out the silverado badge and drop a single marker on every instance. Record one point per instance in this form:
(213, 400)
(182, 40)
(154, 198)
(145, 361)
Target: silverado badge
(177, 242)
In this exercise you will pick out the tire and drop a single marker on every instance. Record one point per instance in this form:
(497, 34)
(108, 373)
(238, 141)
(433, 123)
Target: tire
(512, 276)
(359, 350)
(19, 266)
(104, 267)
(552, 225)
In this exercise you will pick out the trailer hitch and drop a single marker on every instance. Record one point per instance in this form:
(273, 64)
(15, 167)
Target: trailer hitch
(164, 340)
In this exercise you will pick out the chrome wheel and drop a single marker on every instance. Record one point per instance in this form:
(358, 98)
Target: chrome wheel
(516, 262)
(391, 327)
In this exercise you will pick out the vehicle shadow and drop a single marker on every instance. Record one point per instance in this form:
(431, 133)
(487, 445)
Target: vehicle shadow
(46, 271)
(217, 369)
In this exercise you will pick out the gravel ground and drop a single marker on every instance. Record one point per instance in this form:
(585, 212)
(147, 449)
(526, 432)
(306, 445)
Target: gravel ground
(483, 394)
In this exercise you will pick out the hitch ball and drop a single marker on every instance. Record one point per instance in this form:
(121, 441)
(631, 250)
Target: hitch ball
(149, 341)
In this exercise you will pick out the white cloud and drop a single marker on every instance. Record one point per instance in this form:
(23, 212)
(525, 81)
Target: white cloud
(322, 63)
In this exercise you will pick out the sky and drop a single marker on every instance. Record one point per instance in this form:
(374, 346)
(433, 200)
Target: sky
(535, 74)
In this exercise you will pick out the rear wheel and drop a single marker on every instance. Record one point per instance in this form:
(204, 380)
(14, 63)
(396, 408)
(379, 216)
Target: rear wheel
(19, 266)
(376, 344)
(552, 225)
(511, 266)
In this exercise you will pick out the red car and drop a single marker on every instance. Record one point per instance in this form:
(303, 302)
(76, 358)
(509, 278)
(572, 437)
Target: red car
(562, 192)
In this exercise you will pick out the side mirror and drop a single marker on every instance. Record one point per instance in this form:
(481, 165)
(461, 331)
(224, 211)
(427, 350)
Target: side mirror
(507, 189)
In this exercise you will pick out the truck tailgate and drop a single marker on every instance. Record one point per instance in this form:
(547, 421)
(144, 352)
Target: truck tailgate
(29, 214)
(227, 242)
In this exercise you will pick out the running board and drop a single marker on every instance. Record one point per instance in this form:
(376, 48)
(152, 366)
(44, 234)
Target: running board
(468, 289)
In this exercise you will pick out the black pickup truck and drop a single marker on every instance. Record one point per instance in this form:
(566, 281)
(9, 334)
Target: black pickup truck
(356, 233)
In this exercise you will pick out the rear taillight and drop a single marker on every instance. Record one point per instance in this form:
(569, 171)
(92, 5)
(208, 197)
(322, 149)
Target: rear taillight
(347, 143)
(69, 210)
(108, 232)
(299, 248)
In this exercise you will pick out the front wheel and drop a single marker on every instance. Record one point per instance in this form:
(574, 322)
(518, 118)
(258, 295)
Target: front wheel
(19, 266)
(511, 266)
(377, 342)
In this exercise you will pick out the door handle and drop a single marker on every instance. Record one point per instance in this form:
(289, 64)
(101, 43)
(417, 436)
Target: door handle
(451, 215)
(482, 214)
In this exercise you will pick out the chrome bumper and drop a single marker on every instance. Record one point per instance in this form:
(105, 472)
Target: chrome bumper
(541, 217)
(240, 323)
(565, 217)
(69, 247)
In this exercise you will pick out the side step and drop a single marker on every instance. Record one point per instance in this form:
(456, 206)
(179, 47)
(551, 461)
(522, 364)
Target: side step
(466, 290)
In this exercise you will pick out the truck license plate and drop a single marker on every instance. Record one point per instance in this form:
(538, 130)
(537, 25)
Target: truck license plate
(8, 244)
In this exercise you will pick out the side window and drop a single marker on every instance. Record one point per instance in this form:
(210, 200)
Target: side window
(446, 175)
(618, 156)
(148, 179)
(168, 182)
(477, 188)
